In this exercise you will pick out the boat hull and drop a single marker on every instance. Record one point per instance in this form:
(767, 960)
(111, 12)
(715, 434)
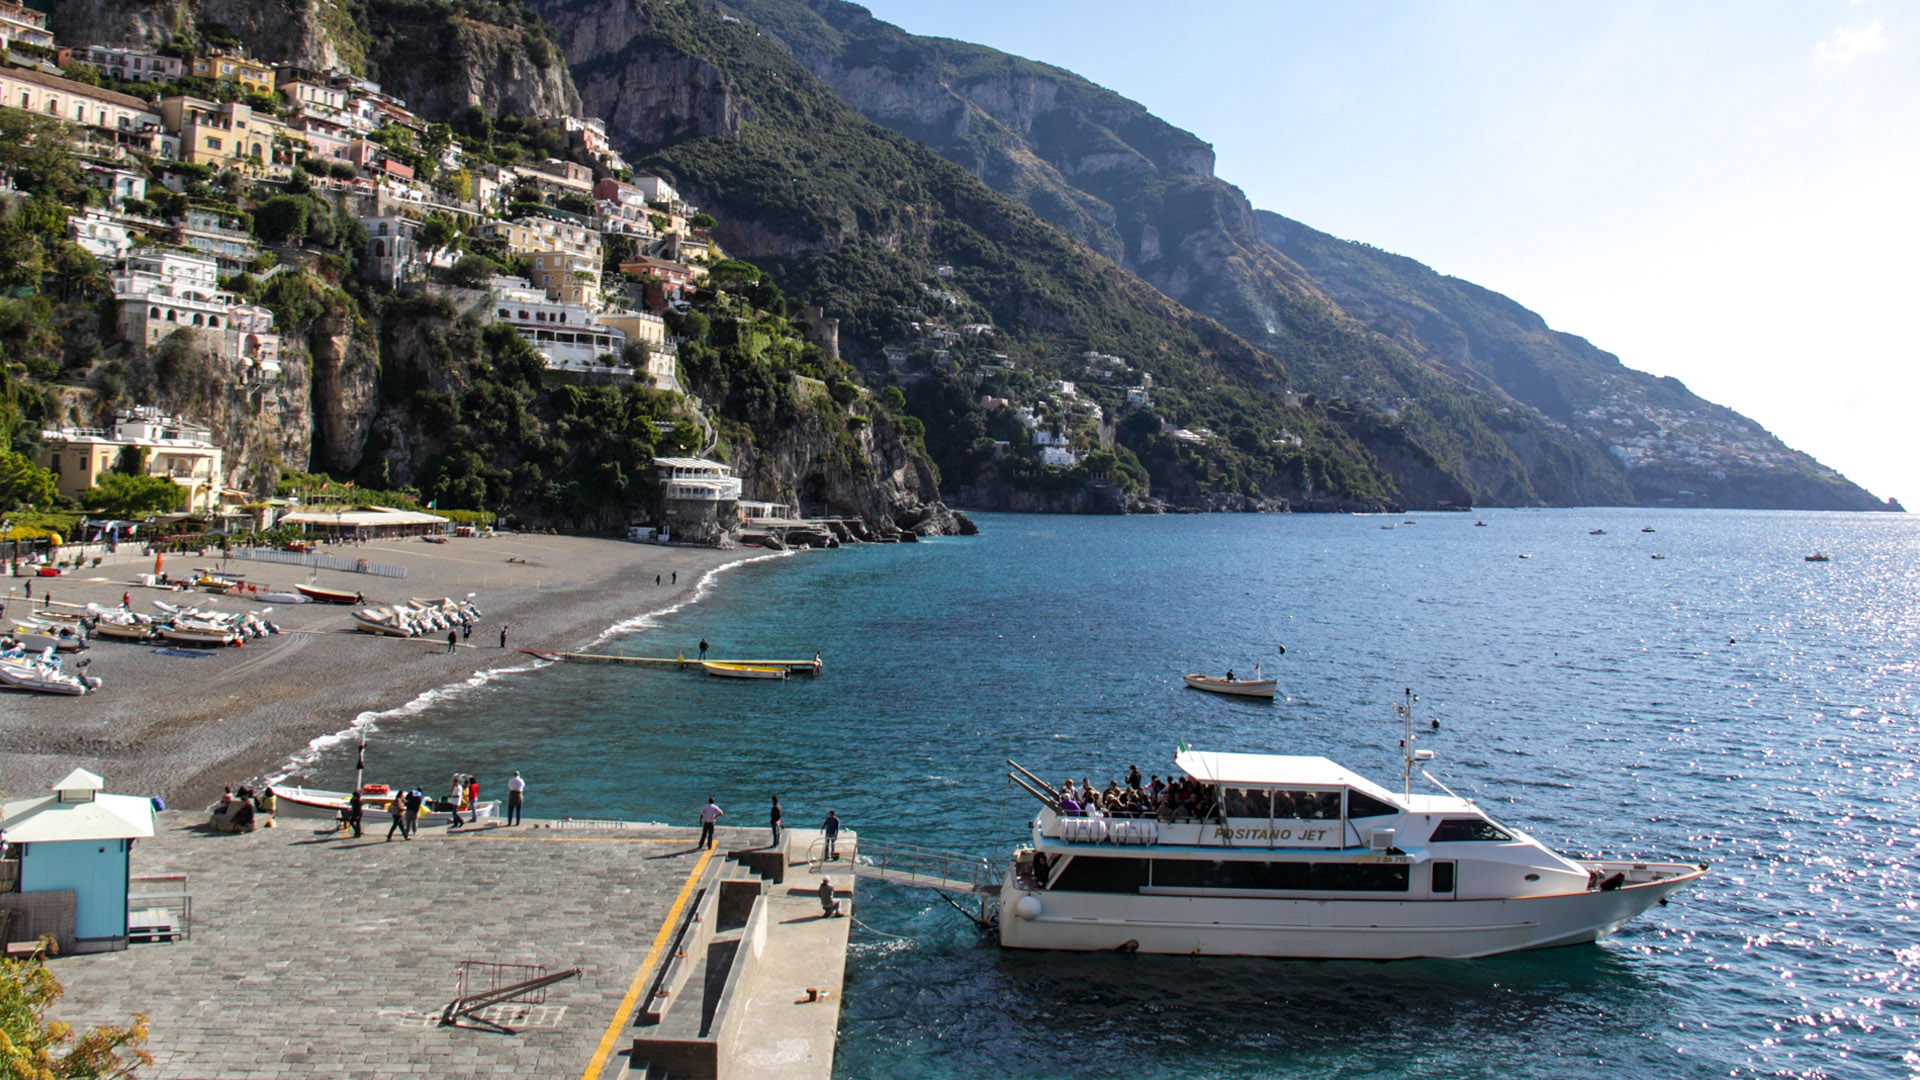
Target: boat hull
(322, 805)
(1321, 928)
(743, 671)
(197, 637)
(1253, 688)
(327, 596)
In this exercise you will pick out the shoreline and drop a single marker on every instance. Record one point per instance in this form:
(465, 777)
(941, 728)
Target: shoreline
(182, 728)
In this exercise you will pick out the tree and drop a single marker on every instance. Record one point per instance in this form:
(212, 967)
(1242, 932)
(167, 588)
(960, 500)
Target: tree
(36, 1046)
(22, 483)
(437, 234)
(122, 496)
(283, 219)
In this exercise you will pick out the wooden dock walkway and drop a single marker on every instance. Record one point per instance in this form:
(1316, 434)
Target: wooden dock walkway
(804, 667)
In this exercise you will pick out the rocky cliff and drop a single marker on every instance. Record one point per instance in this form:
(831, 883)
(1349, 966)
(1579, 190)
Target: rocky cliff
(311, 33)
(441, 63)
(1488, 405)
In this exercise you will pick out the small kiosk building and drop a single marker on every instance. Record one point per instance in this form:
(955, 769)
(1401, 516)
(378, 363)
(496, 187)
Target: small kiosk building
(81, 839)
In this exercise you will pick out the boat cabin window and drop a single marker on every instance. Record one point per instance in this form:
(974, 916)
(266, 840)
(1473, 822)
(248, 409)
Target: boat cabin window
(1084, 873)
(1471, 828)
(1307, 805)
(1443, 877)
(1293, 876)
(1361, 804)
(1247, 802)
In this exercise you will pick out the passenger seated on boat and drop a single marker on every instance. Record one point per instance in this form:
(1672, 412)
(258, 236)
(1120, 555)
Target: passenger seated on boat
(1283, 805)
(1230, 677)
(1070, 806)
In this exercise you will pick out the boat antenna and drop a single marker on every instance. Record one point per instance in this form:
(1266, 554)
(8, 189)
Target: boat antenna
(1405, 709)
(1408, 755)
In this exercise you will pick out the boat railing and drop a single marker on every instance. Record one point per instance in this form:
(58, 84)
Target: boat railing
(161, 911)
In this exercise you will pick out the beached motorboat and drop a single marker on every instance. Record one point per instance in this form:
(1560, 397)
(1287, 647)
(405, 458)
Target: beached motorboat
(329, 596)
(33, 640)
(743, 671)
(42, 673)
(375, 804)
(1254, 688)
(119, 624)
(383, 621)
(1288, 856)
(277, 597)
(199, 633)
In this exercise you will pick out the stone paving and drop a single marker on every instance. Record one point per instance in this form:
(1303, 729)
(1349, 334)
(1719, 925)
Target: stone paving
(316, 956)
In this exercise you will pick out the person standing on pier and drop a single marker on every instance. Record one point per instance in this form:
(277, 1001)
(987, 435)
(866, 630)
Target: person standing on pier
(473, 798)
(773, 818)
(354, 811)
(456, 796)
(832, 829)
(414, 799)
(703, 648)
(708, 815)
(503, 635)
(515, 789)
(453, 640)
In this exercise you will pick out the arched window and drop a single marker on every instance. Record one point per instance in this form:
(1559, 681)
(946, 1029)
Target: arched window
(199, 319)
(53, 106)
(153, 313)
(171, 317)
(213, 322)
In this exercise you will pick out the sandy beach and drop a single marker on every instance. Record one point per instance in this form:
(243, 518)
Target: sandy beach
(181, 728)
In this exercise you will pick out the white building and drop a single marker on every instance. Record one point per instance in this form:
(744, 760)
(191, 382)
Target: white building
(698, 480)
(160, 292)
(1058, 456)
(99, 234)
(570, 337)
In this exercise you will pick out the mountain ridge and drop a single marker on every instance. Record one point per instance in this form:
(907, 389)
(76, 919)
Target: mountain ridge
(1103, 168)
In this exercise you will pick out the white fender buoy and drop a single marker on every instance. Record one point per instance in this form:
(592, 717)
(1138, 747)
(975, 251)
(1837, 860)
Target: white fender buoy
(1028, 907)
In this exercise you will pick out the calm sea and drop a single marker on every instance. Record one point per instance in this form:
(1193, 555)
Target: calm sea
(1730, 703)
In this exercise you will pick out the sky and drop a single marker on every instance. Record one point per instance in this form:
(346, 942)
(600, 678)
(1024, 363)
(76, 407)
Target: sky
(1723, 192)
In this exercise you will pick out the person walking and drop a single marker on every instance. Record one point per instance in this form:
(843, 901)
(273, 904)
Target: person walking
(656, 581)
(773, 819)
(414, 799)
(455, 797)
(832, 828)
(354, 810)
(399, 811)
(516, 794)
(503, 635)
(453, 640)
(708, 815)
(676, 577)
(126, 601)
(473, 798)
(703, 648)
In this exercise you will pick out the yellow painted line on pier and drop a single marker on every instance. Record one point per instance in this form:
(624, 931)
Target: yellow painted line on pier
(621, 1014)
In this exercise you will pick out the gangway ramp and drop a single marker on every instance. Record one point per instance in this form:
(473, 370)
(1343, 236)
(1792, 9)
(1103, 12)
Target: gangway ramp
(910, 864)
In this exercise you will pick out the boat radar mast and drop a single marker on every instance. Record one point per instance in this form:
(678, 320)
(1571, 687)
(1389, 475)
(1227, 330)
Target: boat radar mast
(1408, 755)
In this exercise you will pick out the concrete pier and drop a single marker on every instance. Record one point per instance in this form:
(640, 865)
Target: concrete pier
(316, 955)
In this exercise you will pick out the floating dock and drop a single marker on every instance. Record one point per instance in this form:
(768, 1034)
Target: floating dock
(801, 667)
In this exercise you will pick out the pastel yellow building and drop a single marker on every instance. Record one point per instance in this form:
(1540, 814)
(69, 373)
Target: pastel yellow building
(172, 448)
(253, 76)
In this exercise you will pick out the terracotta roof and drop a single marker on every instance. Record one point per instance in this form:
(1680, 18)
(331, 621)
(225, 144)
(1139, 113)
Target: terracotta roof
(68, 86)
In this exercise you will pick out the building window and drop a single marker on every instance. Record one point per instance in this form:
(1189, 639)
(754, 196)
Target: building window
(213, 143)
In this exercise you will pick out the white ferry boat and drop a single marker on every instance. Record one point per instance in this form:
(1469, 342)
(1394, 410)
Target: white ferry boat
(1299, 857)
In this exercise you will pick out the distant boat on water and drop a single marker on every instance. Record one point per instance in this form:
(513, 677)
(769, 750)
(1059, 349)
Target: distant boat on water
(743, 671)
(1819, 556)
(1255, 688)
(1647, 528)
(1596, 532)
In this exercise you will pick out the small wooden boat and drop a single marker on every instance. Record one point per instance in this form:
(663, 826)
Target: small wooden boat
(743, 671)
(375, 806)
(1819, 556)
(128, 631)
(328, 596)
(1256, 688)
(382, 621)
(276, 597)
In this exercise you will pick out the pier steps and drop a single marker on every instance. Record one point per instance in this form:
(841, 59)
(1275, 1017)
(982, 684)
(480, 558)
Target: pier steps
(751, 982)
